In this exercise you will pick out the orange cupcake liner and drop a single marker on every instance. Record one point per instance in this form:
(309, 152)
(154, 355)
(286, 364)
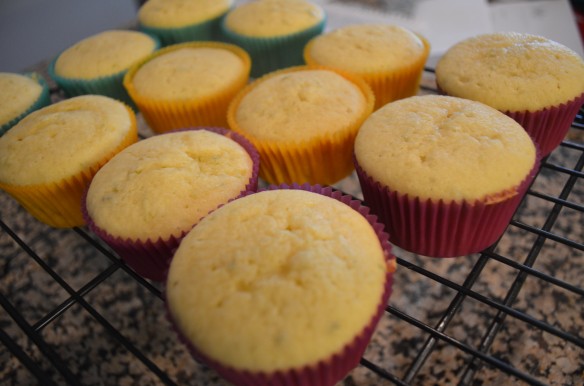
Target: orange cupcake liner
(329, 371)
(322, 160)
(58, 204)
(164, 115)
(150, 258)
(389, 86)
(442, 228)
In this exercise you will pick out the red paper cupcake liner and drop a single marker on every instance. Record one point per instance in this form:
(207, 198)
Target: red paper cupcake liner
(440, 229)
(151, 258)
(326, 372)
(549, 126)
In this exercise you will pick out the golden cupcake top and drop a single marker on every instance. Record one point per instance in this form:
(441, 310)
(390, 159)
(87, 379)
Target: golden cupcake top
(512, 71)
(180, 13)
(366, 48)
(17, 94)
(104, 54)
(63, 139)
(268, 18)
(300, 105)
(285, 259)
(189, 72)
(448, 148)
(163, 185)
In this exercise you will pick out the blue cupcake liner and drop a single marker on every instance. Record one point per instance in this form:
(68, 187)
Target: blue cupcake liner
(110, 85)
(43, 100)
(207, 30)
(274, 53)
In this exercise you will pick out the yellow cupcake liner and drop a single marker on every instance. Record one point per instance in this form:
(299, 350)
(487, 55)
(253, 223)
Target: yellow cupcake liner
(321, 160)
(389, 86)
(58, 204)
(164, 115)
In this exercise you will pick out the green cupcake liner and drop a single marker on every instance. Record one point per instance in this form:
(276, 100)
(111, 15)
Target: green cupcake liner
(43, 100)
(111, 85)
(274, 53)
(208, 30)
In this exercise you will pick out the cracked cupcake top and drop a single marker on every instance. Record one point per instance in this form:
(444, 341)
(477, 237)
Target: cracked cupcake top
(292, 263)
(511, 71)
(448, 148)
(163, 185)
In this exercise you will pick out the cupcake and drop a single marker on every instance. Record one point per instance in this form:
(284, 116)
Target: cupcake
(189, 84)
(281, 287)
(303, 121)
(146, 198)
(536, 81)
(444, 174)
(179, 21)
(20, 94)
(274, 32)
(48, 159)
(389, 58)
(97, 64)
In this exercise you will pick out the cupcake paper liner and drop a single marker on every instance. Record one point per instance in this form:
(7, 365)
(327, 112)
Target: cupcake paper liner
(322, 160)
(43, 100)
(207, 30)
(546, 127)
(151, 258)
(111, 85)
(439, 228)
(389, 86)
(273, 53)
(164, 115)
(328, 371)
(549, 126)
(58, 204)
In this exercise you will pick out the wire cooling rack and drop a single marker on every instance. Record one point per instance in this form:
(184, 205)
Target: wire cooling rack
(73, 313)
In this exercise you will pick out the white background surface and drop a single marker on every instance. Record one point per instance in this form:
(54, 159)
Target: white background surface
(35, 30)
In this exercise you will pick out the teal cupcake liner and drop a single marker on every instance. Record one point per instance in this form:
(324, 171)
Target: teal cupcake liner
(111, 85)
(43, 100)
(274, 53)
(208, 30)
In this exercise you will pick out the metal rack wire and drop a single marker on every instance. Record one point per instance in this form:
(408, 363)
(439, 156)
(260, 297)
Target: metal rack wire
(41, 358)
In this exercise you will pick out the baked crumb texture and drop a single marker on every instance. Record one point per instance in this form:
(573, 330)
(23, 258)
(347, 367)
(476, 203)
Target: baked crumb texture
(293, 260)
(144, 200)
(534, 80)
(48, 159)
(444, 174)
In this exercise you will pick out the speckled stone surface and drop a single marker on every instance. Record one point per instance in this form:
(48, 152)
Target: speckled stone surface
(113, 329)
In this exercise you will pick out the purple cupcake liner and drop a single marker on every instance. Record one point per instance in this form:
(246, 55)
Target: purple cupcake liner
(326, 372)
(549, 126)
(439, 228)
(151, 258)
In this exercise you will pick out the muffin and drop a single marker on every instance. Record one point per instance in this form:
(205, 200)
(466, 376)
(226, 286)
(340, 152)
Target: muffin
(536, 81)
(444, 174)
(97, 64)
(389, 58)
(48, 159)
(146, 198)
(179, 21)
(273, 32)
(276, 276)
(303, 121)
(20, 94)
(189, 84)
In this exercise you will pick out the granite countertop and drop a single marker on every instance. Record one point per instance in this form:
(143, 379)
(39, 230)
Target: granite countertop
(76, 313)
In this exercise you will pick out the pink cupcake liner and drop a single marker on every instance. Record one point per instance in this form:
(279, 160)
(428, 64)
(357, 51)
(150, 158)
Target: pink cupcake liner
(326, 372)
(549, 126)
(440, 229)
(151, 258)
